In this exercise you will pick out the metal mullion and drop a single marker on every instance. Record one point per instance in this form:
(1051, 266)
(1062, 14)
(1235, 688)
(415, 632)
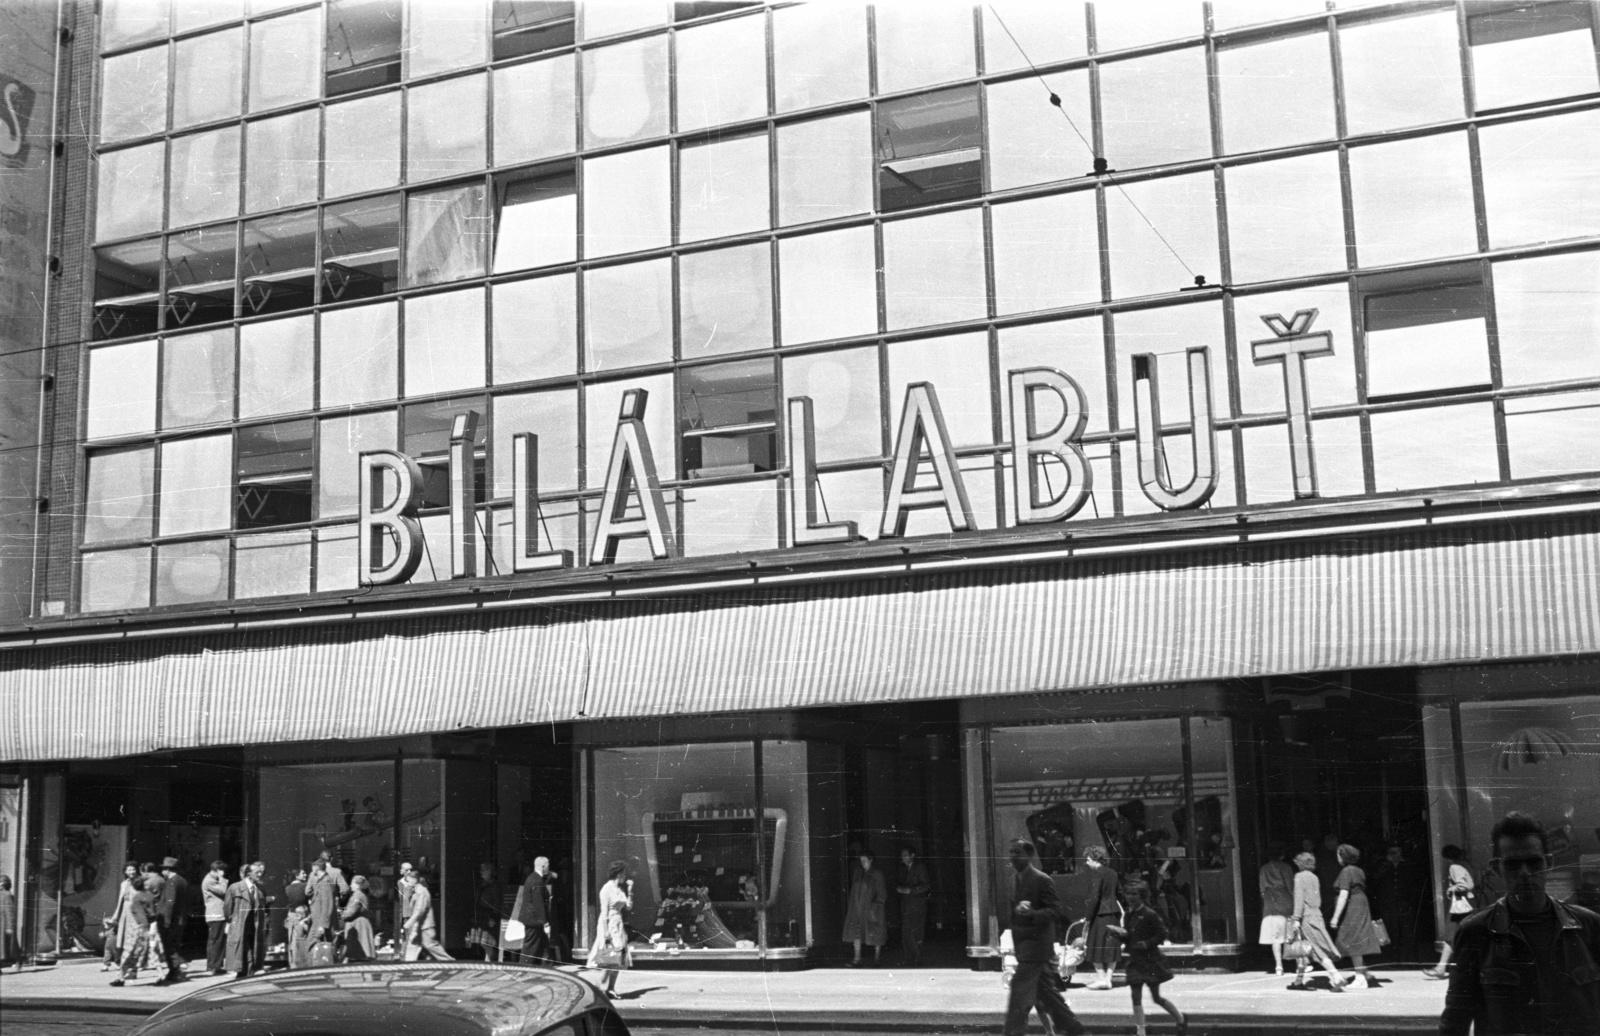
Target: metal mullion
(872, 56)
(1496, 375)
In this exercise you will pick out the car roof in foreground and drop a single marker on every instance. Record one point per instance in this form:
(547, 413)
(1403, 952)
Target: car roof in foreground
(381, 999)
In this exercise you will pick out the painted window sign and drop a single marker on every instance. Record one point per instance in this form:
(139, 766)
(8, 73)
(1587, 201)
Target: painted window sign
(924, 472)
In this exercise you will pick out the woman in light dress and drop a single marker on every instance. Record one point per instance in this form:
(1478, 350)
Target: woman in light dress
(1352, 915)
(115, 929)
(1276, 883)
(616, 901)
(1307, 923)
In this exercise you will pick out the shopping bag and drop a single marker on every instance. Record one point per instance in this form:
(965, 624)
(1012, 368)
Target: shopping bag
(1383, 932)
(1008, 957)
(1070, 954)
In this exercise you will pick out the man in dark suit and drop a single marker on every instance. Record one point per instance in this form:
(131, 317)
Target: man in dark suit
(172, 917)
(1035, 918)
(246, 909)
(533, 910)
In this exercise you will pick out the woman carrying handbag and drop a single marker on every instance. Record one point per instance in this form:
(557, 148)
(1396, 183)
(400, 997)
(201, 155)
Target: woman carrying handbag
(608, 951)
(1308, 932)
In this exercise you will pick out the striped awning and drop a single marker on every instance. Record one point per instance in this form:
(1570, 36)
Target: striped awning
(1420, 598)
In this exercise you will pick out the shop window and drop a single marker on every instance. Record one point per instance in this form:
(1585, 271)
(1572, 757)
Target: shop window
(1556, 434)
(1276, 92)
(536, 329)
(447, 234)
(828, 285)
(1148, 261)
(446, 128)
(427, 441)
(360, 355)
(723, 188)
(122, 390)
(532, 26)
(127, 289)
(819, 54)
(340, 443)
(933, 269)
(845, 407)
(281, 155)
(1401, 72)
(625, 91)
(1535, 189)
(929, 149)
(1029, 141)
(272, 564)
(444, 342)
(115, 580)
(536, 220)
(825, 168)
(1545, 342)
(1154, 109)
(721, 73)
(727, 418)
(627, 202)
(628, 315)
(725, 300)
(129, 187)
(1525, 52)
(284, 63)
(196, 484)
(1046, 253)
(276, 366)
(1425, 332)
(119, 499)
(279, 268)
(208, 78)
(363, 46)
(197, 378)
(205, 177)
(192, 573)
(923, 45)
(273, 484)
(360, 248)
(361, 145)
(1434, 446)
(133, 90)
(200, 275)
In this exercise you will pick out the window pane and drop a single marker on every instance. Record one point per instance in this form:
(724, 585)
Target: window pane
(627, 202)
(1029, 140)
(1231, 14)
(1276, 93)
(1553, 435)
(447, 234)
(197, 14)
(1401, 72)
(1439, 446)
(286, 60)
(625, 92)
(722, 73)
(360, 248)
(360, 354)
(533, 111)
(444, 342)
(1154, 109)
(133, 91)
(128, 21)
(1330, 380)
(727, 418)
(601, 404)
(724, 188)
(272, 564)
(127, 285)
(1540, 178)
(1335, 445)
(730, 519)
(829, 285)
(1169, 333)
(205, 177)
(819, 54)
(628, 315)
(208, 78)
(280, 263)
(276, 361)
(1185, 209)
(1548, 316)
(197, 379)
(446, 36)
(923, 44)
(196, 484)
(336, 558)
(1019, 32)
(130, 187)
(1285, 218)
(933, 270)
(845, 407)
(122, 390)
(363, 144)
(189, 573)
(725, 300)
(340, 443)
(363, 48)
(114, 580)
(825, 168)
(119, 501)
(531, 26)
(282, 159)
(426, 438)
(445, 128)
(958, 367)
(1121, 25)
(553, 417)
(1074, 347)
(929, 149)
(1413, 200)
(621, 16)
(200, 276)
(538, 224)
(1531, 52)
(1046, 253)
(536, 329)
(852, 496)
(1434, 337)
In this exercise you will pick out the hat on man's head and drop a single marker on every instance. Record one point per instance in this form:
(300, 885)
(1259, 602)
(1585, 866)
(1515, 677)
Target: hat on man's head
(170, 862)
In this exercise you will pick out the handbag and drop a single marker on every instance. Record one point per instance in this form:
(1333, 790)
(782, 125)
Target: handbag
(1298, 947)
(610, 957)
(1382, 930)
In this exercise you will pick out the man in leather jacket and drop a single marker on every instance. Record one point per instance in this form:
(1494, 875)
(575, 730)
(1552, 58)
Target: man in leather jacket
(1528, 965)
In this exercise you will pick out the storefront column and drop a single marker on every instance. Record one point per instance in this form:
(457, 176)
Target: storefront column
(763, 879)
(1196, 925)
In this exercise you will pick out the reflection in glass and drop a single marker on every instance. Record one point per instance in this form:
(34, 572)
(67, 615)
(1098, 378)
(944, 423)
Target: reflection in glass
(197, 378)
(1547, 312)
(628, 315)
(601, 403)
(444, 342)
(1276, 93)
(445, 128)
(958, 367)
(627, 202)
(119, 497)
(1330, 380)
(1553, 435)
(1531, 52)
(1154, 109)
(1439, 446)
(725, 300)
(933, 270)
(819, 54)
(1185, 208)
(133, 91)
(825, 168)
(426, 438)
(532, 26)
(191, 573)
(533, 111)
(1413, 200)
(281, 156)
(1046, 253)
(447, 234)
(200, 274)
(285, 60)
(340, 443)
(1285, 217)
(828, 285)
(923, 44)
(1074, 347)
(930, 149)
(1169, 333)
(196, 484)
(1119, 26)
(363, 45)
(1424, 339)
(1539, 178)
(360, 354)
(124, 22)
(442, 37)
(208, 78)
(205, 177)
(722, 73)
(1017, 33)
(279, 267)
(552, 416)
(625, 91)
(362, 144)
(1401, 72)
(727, 418)
(114, 580)
(1029, 140)
(538, 220)
(536, 329)
(723, 188)
(360, 248)
(843, 388)
(122, 390)
(129, 189)
(276, 363)
(274, 475)
(730, 519)
(272, 564)
(127, 285)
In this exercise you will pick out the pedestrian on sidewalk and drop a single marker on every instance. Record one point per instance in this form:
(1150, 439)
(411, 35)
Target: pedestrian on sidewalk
(1145, 932)
(322, 900)
(246, 908)
(1103, 913)
(1306, 923)
(402, 908)
(356, 918)
(214, 888)
(172, 913)
(1276, 884)
(532, 908)
(1035, 922)
(608, 950)
(422, 928)
(1460, 890)
(1528, 965)
(864, 918)
(8, 917)
(115, 928)
(141, 927)
(1352, 916)
(913, 890)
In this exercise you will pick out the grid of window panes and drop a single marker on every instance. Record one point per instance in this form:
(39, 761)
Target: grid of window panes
(327, 228)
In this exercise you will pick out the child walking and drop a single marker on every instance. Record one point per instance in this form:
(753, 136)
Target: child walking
(1146, 967)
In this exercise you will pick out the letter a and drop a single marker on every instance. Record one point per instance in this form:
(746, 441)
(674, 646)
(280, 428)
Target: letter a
(633, 467)
(382, 524)
(1153, 474)
(922, 424)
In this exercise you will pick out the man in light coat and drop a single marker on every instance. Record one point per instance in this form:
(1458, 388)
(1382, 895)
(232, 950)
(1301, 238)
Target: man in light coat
(214, 887)
(246, 909)
(421, 929)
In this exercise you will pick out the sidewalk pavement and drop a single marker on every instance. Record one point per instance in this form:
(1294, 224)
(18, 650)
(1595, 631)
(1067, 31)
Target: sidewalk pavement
(892, 998)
